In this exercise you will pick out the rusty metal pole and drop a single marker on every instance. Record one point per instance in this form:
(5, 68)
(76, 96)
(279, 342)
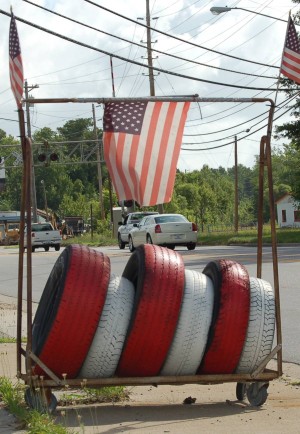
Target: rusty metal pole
(21, 242)
(260, 205)
(28, 159)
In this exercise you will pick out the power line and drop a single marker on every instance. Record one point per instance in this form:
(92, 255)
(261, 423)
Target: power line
(154, 50)
(176, 37)
(133, 61)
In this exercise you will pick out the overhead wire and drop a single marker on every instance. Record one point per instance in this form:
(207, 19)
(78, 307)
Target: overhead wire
(129, 60)
(141, 46)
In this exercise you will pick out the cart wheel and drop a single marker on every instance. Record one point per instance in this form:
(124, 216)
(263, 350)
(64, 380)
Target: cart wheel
(241, 391)
(42, 401)
(257, 395)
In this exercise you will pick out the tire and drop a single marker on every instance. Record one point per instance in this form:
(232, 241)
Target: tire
(230, 317)
(149, 239)
(240, 391)
(130, 244)
(157, 274)
(171, 246)
(194, 321)
(257, 396)
(121, 243)
(191, 246)
(69, 310)
(37, 400)
(46, 248)
(261, 327)
(33, 249)
(57, 248)
(104, 353)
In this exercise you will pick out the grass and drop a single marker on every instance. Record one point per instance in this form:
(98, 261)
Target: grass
(222, 238)
(12, 395)
(248, 237)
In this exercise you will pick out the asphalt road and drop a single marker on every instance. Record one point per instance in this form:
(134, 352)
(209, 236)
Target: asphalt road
(289, 277)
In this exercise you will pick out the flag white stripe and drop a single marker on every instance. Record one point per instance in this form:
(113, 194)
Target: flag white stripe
(126, 163)
(159, 133)
(291, 52)
(113, 149)
(290, 71)
(169, 154)
(142, 144)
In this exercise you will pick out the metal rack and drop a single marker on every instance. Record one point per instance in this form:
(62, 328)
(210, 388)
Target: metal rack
(256, 382)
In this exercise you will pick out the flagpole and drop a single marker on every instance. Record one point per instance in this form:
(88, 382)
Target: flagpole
(278, 80)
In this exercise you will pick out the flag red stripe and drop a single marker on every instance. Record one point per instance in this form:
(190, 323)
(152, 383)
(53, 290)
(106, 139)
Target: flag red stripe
(109, 144)
(132, 162)
(290, 66)
(162, 153)
(148, 149)
(171, 180)
(119, 163)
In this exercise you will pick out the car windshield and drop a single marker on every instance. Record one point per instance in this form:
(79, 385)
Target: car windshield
(170, 219)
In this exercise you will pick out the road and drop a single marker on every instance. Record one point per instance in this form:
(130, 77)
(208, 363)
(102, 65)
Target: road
(289, 277)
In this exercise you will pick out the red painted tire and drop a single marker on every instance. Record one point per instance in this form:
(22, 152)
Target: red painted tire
(158, 277)
(230, 317)
(69, 309)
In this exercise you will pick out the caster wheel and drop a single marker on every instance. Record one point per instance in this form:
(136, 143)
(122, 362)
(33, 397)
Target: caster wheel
(41, 401)
(256, 395)
(240, 391)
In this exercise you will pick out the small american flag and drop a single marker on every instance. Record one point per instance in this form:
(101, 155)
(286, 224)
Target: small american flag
(15, 62)
(142, 142)
(290, 65)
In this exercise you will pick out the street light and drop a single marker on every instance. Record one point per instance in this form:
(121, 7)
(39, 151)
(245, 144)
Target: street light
(217, 10)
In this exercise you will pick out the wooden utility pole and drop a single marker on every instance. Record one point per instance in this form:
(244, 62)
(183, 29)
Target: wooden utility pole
(236, 193)
(102, 215)
(150, 65)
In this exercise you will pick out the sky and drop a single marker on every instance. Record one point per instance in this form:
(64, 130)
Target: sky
(57, 68)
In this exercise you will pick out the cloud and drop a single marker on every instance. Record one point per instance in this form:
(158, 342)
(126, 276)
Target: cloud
(63, 69)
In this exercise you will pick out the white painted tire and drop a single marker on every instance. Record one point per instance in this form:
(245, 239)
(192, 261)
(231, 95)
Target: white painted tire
(261, 327)
(188, 345)
(105, 351)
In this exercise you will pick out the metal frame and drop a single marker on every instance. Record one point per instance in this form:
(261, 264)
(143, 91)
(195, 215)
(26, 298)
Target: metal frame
(259, 375)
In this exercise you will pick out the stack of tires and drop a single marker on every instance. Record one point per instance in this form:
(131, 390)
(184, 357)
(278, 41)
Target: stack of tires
(158, 318)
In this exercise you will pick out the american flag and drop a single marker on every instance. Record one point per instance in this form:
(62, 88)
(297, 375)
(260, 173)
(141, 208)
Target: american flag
(290, 65)
(15, 62)
(142, 142)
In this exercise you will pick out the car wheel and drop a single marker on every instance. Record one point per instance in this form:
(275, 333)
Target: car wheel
(171, 246)
(46, 248)
(261, 327)
(62, 329)
(121, 243)
(130, 244)
(193, 325)
(157, 274)
(57, 247)
(104, 353)
(32, 249)
(191, 246)
(230, 317)
(149, 239)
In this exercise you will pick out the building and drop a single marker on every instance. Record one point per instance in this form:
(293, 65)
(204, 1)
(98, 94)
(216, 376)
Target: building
(288, 212)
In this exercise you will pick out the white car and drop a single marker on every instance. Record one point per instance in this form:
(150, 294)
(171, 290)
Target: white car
(167, 230)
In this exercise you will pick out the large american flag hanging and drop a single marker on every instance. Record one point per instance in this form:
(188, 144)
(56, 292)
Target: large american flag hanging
(142, 142)
(290, 65)
(15, 62)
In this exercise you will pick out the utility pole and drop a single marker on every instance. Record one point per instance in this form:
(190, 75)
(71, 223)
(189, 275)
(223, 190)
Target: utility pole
(32, 187)
(236, 199)
(150, 65)
(99, 167)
